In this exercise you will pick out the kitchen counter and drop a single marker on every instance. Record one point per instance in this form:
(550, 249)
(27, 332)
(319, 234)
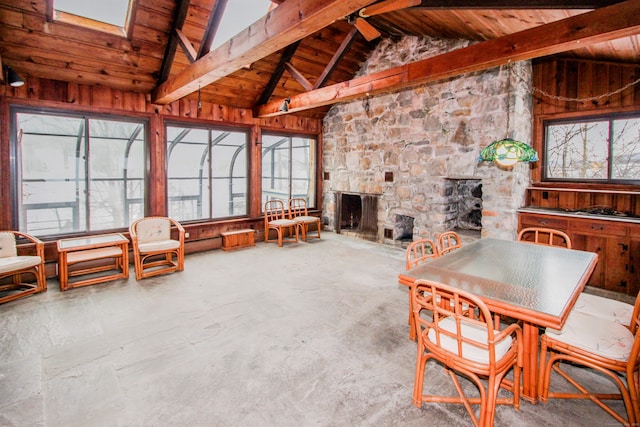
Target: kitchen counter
(619, 217)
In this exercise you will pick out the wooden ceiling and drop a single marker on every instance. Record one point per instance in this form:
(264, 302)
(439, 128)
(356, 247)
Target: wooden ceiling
(35, 45)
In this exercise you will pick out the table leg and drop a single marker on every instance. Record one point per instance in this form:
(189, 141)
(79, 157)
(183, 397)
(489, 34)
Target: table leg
(63, 272)
(530, 368)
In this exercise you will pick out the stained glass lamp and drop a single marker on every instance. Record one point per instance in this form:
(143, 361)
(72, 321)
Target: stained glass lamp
(506, 152)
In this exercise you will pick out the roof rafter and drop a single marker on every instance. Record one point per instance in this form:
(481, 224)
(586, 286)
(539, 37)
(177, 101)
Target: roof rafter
(287, 23)
(510, 4)
(608, 23)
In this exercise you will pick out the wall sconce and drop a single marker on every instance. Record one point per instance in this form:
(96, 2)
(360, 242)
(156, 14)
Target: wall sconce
(506, 152)
(14, 78)
(285, 104)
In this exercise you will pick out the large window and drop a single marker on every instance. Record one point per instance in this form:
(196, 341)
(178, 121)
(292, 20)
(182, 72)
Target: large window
(596, 150)
(288, 168)
(77, 173)
(207, 172)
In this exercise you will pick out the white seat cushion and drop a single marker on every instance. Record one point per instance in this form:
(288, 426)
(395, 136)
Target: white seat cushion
(161, 245)
(14, 263)
(604, 308)
(306, 219)
(595, 335)
(282, 222)
(471, 331)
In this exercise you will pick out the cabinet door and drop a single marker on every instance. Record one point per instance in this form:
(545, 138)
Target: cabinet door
(598, 245)
(616, 275)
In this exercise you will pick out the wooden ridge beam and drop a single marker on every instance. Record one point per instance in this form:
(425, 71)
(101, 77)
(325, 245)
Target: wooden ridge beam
(608, 23)
(289, 22)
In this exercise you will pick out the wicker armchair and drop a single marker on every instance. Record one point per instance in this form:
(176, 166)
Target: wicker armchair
(604, 346)
(456, 329)
(154, 250)
(21, 255)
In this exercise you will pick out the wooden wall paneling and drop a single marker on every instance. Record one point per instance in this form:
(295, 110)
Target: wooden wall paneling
(5, 168)
(567, 200)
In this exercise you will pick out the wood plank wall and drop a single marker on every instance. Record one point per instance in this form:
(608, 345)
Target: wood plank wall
(43, 93)
(572, 78)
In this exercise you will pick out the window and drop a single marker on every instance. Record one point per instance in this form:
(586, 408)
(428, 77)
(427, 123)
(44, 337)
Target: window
(207, 172)
(111, 16)
(593, 150)
(76, 173)
(238, 15)
(288, 168)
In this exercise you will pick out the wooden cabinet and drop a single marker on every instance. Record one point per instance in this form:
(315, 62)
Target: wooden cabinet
(617, 244)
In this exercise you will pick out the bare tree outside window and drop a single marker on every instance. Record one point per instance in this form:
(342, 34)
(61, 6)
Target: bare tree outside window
(598, 150)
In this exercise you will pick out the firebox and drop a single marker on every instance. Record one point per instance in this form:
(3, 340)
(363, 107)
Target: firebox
(357, 213)
(463, 204)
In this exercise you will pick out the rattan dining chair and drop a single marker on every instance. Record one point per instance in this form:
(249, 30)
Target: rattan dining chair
(604, 346)
(456, 329)
(299, 213)
(417, 252)
(154, 250)
(449, 241)
(21, 258)
(275, 219)
(544, 236)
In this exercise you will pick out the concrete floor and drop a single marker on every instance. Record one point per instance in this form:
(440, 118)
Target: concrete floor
(312, 334)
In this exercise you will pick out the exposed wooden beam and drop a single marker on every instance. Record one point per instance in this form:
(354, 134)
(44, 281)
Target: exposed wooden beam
(186, 46)
(297, 75)
(172, 44)
(510, 4)
(212, 27)
(337, 56)
(287, 54)
(608, 23)
(289, 22)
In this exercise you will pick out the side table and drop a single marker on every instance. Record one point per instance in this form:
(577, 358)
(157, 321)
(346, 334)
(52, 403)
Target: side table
(80, 250)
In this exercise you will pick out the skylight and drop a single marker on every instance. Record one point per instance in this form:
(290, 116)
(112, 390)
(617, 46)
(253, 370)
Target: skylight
(113, 13)
(238, 15)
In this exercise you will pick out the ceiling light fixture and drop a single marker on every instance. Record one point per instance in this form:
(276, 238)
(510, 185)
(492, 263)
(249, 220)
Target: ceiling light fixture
(14, 78)
(506, 152)
(285, 105)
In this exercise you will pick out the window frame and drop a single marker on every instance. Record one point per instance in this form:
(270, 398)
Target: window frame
(315, 178)
(15, 159)
(580, 117)
(217, 128)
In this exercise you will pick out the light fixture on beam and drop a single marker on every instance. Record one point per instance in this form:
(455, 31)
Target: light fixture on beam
(14, 78)
(284, 107)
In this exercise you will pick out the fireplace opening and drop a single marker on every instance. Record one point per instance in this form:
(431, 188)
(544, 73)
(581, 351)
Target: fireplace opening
(351, 212)
(404, 228)
(463, 204)
(357, 214)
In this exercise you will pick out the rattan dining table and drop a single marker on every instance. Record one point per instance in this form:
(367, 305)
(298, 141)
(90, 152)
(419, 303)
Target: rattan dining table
(536, 284)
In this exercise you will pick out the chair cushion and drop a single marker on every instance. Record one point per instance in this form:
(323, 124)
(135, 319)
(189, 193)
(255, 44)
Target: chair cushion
(471, 331)
(306, 219)
(153, 230)
(7, 245)
(595, 335)
(605, 308)
(282, 222)
(16, 263)
(159, 245)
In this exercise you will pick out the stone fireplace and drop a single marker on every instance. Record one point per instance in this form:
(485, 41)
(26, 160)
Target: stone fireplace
(416, 151)
(464, 204)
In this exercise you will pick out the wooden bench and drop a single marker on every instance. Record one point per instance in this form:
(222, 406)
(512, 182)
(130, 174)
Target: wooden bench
(236, 239)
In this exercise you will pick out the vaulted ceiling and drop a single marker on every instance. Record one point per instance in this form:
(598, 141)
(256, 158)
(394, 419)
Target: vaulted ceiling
(303, 47)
